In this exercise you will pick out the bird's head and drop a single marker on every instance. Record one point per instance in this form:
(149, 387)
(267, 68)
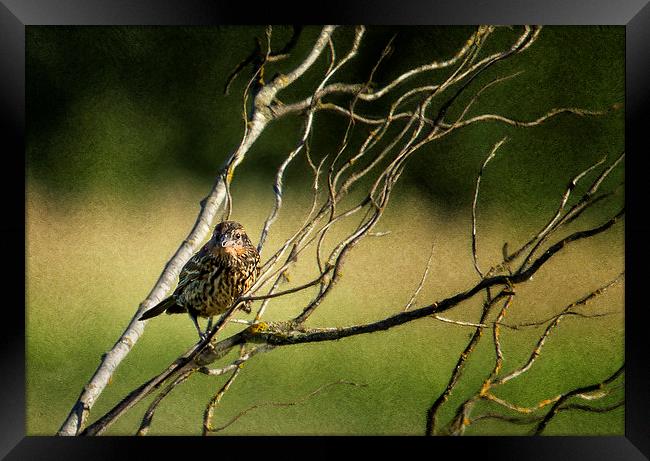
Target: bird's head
(230, 237)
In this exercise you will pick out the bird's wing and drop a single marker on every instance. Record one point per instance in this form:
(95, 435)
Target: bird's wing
(194, 269)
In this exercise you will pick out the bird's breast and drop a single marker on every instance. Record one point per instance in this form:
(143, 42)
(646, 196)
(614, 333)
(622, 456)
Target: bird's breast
(225, 276)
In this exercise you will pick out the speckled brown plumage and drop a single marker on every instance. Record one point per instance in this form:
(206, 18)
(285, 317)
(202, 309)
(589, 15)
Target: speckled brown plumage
(224, 268)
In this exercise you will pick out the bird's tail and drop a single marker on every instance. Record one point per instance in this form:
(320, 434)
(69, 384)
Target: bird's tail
(167, 304)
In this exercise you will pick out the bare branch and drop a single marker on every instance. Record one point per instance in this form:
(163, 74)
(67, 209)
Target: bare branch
(421, 284)
(510, 419)
(576, 406)
(316, 281)
(235, 364)
(284, 404)
(209, 411)
(576, 210)
(553, 221)
(460, 364)
(542, 340)
(322, 41)
(555, 408)
(478, 183)
(275, 334)
(459, 322)
(148, 416)
(479, 35)
(76, 420)
(521, 123)
(413, 119)
(518, 408)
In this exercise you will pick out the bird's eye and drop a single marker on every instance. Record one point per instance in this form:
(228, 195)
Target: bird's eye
(237, 235)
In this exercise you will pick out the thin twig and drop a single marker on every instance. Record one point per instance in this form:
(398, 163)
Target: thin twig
(284, 404)
(556, 407)
(386, 152)
(556, 320)
(209, 411)
(475, 201)
(421, 284)
(460, 364)
(149, 414)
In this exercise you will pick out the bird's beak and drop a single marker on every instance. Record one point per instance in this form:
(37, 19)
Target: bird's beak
(225, 241)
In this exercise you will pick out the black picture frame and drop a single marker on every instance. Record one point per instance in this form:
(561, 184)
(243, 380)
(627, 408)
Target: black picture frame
(15, 15)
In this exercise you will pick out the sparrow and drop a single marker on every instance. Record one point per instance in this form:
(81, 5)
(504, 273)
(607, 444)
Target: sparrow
(221, 271)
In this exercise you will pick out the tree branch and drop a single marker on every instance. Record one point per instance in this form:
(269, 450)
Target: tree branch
(385, 149)
(563, 398)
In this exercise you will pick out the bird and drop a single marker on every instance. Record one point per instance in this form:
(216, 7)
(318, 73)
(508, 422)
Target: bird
(221, 271)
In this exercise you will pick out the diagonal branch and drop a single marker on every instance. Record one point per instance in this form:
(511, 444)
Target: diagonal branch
(283, 404)
(474, 202)
(556, 320)
(261, 116)
(414, 119)
(563, 398)
(284, 333)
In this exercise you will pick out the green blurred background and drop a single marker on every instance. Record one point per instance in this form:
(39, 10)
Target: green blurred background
(126, 129)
